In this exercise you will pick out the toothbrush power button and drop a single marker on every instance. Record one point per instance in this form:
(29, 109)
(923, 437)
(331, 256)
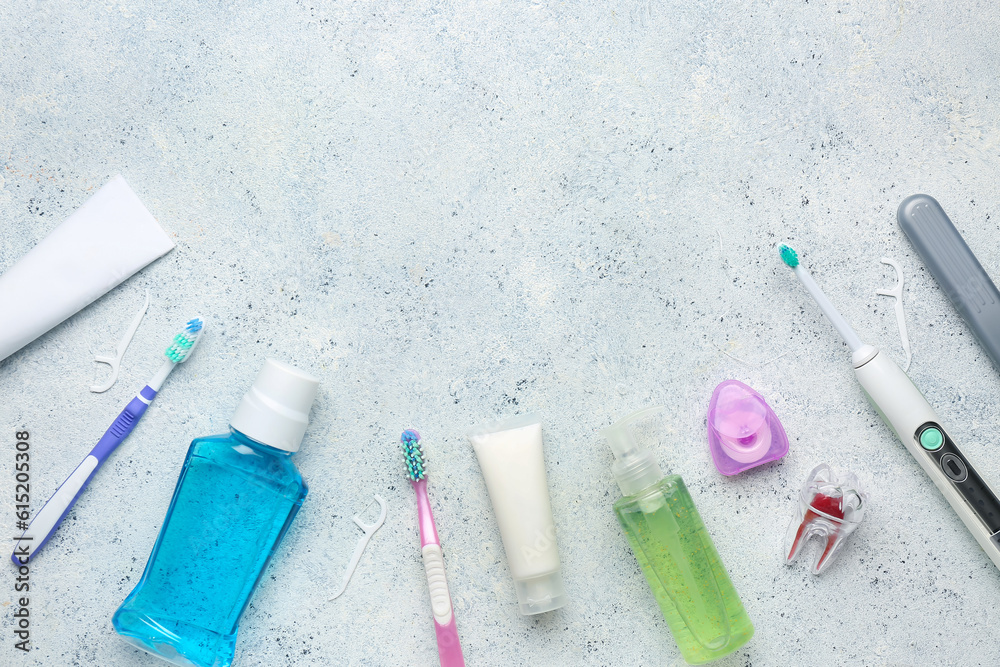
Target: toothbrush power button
(931, 438)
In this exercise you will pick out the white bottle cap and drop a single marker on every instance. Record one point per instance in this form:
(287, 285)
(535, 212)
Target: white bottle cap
(275, 411)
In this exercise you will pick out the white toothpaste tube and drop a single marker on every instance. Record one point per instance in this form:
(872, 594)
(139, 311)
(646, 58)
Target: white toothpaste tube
(94, 250)
(510, 456)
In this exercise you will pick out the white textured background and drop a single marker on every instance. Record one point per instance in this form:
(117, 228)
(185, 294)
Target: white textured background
(453, 212)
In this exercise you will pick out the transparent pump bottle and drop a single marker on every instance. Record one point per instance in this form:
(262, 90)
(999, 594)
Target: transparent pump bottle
(675, 552)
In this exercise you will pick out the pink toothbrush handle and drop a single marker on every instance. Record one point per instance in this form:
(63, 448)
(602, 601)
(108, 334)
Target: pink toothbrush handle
(449, 650)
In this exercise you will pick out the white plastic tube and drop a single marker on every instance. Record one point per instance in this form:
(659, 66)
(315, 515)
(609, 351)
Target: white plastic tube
(94, 250)
(510, 456)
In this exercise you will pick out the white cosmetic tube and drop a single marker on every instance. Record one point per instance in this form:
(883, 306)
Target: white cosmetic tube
(95, 249)
(510, 456)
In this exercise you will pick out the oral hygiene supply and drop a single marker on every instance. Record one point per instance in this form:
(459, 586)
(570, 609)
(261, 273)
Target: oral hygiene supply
(956, 269)
(510, 456)
(115, 362)
(369, 530)
(896, 292)
(676, 554)
(235, 498)
(830, 507)
(95, 249)
(45, 522)
(449, 647)
(904, 409)
(743, 431)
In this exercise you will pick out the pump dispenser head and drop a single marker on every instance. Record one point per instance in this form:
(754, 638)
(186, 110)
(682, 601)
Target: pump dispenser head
(275, 411)
(635, 467)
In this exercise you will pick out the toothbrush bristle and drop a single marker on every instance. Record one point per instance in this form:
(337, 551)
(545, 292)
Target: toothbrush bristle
(413, 455)
(789, 256)
(182, 344)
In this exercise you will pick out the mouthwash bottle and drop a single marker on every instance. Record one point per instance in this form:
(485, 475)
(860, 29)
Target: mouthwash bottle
(235, 498)
(668, 538)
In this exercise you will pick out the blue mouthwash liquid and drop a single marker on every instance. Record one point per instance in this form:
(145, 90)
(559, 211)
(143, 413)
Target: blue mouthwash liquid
(234, 501)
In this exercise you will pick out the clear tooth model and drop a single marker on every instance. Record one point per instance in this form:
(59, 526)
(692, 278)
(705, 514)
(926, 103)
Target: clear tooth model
(830, 507)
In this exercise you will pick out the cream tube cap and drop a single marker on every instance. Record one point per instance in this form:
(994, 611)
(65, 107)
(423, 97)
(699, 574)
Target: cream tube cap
(540, 594)
(275, 411)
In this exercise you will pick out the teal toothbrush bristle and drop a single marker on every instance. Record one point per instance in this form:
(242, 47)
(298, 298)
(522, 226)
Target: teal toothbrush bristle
(413, 455)
(789, 256)
(183, 342)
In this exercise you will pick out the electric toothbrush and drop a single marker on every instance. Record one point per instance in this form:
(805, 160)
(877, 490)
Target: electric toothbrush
(904, 409)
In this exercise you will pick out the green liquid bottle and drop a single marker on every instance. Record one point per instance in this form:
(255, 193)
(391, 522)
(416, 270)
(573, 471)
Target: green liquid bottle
(669, 540)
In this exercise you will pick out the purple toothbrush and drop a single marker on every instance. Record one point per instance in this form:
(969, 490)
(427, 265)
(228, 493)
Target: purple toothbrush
(47, 520)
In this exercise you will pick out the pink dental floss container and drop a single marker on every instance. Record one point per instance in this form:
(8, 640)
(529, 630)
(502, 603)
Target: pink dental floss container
(743, 431)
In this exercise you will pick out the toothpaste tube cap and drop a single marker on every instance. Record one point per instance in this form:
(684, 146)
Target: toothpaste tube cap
(540, 594)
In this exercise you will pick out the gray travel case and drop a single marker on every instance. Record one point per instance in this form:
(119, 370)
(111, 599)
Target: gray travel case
(955, 268)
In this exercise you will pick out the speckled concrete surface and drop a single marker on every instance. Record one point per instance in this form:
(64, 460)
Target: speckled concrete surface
(456, 212)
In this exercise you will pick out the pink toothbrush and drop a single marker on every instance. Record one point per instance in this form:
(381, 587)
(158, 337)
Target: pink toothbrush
(449, 648)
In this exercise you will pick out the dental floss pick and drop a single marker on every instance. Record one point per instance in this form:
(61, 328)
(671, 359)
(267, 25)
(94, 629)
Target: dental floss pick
(897, 292)
(369, 530)
(115, 361)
